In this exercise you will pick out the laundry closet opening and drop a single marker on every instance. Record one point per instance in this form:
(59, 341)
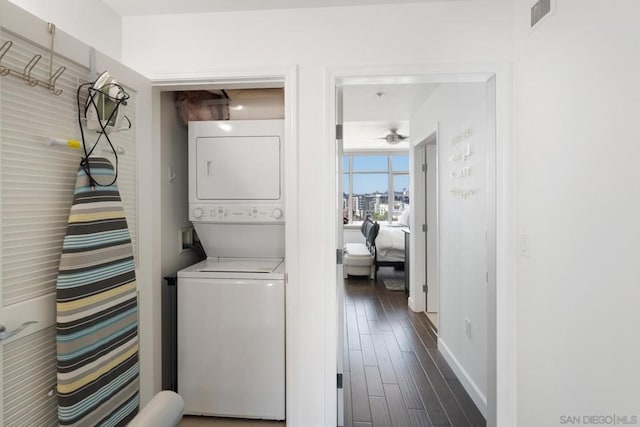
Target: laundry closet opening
(223, 247)
(199, 104)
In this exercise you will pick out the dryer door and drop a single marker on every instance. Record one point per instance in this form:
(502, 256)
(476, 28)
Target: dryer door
(238, 168)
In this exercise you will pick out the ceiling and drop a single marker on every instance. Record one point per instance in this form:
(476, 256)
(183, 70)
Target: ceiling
(370, 111)
(164, 7)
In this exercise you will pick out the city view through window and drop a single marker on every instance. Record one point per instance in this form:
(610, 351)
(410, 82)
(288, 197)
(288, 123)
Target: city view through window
(375, 186)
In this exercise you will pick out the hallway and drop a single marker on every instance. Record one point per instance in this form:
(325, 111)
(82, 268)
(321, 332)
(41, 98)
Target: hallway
(394, 374)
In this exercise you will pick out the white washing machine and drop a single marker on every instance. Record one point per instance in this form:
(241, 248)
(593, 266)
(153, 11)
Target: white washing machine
(231, 347)
(231, 307)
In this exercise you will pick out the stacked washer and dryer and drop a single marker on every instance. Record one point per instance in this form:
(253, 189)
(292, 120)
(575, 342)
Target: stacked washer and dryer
(231, 306)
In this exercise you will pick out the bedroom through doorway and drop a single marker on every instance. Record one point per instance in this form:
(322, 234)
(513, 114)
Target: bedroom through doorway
(388, 311)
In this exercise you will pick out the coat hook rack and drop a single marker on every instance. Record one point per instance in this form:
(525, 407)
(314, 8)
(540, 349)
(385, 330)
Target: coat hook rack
(25, 75)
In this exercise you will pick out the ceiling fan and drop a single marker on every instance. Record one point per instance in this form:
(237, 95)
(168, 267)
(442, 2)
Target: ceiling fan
(393, 137)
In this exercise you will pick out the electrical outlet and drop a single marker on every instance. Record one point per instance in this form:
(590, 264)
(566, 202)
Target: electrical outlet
(185, 239)
(467, 328)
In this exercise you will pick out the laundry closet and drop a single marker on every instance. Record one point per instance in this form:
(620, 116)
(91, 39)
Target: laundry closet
(223, 233)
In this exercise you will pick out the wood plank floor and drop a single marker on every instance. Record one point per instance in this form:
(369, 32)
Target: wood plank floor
(394, 374)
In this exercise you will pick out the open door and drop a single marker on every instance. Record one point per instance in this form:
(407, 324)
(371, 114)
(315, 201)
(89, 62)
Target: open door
(146, 223)
(339, 249)
(37, 184)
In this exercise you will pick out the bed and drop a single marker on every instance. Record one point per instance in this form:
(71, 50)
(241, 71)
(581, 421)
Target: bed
(385, 242)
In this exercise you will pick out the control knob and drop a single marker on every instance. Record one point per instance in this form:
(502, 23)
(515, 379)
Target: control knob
(197, 212)
(277, 213)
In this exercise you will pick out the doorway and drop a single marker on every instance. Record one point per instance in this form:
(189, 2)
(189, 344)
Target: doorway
(426, 183)
(171, 172)
(456, 193)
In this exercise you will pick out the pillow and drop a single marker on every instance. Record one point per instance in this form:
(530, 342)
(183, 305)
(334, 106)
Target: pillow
(404, 218)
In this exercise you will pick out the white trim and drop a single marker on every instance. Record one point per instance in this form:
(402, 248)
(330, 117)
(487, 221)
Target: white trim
(287, 77)
(465, 379)
(505, 342)
(505, 333)
(491, 239)
(260, 76)
(331, 267)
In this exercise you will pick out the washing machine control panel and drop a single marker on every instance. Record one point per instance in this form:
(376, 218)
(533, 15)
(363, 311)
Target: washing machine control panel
(244, 213)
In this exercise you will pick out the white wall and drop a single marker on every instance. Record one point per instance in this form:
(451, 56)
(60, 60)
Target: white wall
(175, 193)
(578, 201)
(312, 39)
(353, 235)
(463, 252)
(90, 21)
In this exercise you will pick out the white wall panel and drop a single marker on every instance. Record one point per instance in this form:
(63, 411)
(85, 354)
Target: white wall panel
(37, 181)
(36, 190)
(29, 372)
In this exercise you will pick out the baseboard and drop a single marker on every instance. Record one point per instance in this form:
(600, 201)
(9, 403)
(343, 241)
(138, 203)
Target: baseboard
(469, 385)
(412, 305)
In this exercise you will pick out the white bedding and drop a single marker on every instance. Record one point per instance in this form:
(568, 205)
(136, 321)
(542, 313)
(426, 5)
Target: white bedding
(390, 243)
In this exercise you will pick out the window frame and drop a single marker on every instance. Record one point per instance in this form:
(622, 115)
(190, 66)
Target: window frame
(391, 173)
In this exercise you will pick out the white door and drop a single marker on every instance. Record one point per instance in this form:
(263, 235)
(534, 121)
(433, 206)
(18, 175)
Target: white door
(340, 244)
(238, 168)
(141, 193)
(36, 188)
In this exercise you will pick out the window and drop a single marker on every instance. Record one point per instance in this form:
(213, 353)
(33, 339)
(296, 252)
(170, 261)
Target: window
(375, 186)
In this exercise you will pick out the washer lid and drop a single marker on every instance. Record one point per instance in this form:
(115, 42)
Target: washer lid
(240, 265)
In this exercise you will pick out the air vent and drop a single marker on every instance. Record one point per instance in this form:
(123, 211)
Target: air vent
(539, 10)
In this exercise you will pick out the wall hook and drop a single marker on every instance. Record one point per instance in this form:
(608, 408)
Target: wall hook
(4, 334)
(53, 76)
(27, 71)
(53, 79)
(3, 51)
(25, 75)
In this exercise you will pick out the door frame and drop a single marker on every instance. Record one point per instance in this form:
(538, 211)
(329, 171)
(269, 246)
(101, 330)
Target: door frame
(418, 272)
(256, 77)
(501, 372)
(340, 330)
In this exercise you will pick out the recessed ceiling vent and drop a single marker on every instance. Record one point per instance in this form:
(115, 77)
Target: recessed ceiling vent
(539, 10)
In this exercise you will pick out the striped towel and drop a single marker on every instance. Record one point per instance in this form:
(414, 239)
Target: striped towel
(97, 308)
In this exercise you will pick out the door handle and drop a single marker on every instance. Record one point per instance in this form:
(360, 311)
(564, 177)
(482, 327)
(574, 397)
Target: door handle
(4, 334)
(207, 167)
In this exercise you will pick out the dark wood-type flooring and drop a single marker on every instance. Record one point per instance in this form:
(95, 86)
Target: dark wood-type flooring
(394, 374)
